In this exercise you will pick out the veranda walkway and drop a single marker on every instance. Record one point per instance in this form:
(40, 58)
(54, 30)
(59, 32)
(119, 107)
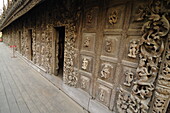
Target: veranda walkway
(24, 90)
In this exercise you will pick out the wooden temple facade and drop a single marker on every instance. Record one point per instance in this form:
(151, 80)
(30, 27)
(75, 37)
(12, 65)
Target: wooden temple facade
(110, 56)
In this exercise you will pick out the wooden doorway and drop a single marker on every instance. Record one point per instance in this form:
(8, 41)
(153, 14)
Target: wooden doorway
(59, 35)
(30, 43)
(19, 36)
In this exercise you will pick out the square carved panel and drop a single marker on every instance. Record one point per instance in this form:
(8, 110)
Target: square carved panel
(107, 71)
(85, 83)
(86, 63)
(91, 17)
(88, 41)
(138, 15)
(115, 17)
(128, 74)
(111, 45)
(131, 48)
(103, 94)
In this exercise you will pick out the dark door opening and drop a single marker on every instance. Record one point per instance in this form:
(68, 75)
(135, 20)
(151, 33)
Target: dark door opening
(60, 38)
(168, 109)
(31, 43)
(19, 41)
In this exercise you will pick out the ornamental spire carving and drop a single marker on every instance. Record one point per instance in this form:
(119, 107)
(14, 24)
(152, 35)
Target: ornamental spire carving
(151, 48)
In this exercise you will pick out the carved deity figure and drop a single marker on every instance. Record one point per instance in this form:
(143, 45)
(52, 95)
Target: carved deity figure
(86, 42)
(129, 78)
(108, 46)
(102, 95)
(113, 17)
(85, 63)
(83, 84)
(143, 91)
(133, 49)
(89, 16)
(105, 72)
(141, 13)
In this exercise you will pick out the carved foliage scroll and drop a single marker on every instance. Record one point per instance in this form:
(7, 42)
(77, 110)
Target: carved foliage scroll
(151, 47)
(162, 92)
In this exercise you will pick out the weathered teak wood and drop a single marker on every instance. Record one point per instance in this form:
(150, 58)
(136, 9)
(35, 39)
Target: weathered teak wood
(23, 90)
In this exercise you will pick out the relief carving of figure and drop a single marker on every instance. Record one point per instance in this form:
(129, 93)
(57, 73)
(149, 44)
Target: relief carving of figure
(133, 49)
(108, 46)
(86, 42)
(83, 84)
(89, 16)
(85, 63)
(113, 17)
(129, 78)
(105, 72)
(144, 91)
(102, 95)
(141, 13)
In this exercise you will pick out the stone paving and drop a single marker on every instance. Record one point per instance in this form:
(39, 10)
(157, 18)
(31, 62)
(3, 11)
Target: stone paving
(24, 90)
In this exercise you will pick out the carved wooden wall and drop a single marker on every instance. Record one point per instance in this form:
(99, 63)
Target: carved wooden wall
(115, 51)
(140, 96)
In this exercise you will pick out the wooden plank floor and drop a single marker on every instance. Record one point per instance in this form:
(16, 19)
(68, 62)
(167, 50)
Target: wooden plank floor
(24, 90)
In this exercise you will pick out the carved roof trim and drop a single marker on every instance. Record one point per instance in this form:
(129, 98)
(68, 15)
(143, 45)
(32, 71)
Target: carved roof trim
(17, 10)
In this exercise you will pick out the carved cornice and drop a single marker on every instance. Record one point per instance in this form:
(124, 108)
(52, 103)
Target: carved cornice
(18, 9)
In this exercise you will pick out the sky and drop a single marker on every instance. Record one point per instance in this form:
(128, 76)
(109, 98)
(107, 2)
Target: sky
(1, 5)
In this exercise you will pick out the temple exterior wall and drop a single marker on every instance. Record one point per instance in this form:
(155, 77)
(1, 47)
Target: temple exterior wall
(115, 52)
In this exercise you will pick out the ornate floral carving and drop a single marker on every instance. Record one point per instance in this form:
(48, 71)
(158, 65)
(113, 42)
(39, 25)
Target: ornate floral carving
(106, 71)
(113, 17)
(34, 46)
(151, 47)
(128, 103)
(162, 92)
(129, 78)
(133, 49)
(69, 18)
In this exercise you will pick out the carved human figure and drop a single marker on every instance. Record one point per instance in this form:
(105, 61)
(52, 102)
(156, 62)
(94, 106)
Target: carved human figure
(129, 78)
(102, 95)
(133, 49)
(141, 13)
(108, 46)
(89, 16)
(83, 84)
(144, 91)
(86, 42)
(142, 71)
(105, 72)
(85, 63)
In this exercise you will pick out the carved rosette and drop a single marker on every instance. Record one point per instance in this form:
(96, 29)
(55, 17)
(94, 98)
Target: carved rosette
(151, 47)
